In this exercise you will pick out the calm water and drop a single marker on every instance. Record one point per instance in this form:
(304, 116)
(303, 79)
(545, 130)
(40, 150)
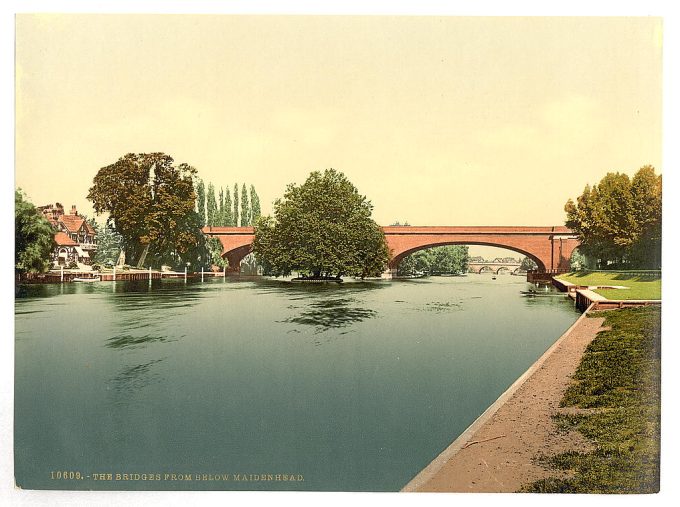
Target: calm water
(353, 387)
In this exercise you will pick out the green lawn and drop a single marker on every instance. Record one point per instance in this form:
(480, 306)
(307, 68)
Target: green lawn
(619, 379)
(641, 284)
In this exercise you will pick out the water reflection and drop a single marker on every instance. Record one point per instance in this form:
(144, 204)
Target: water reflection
(332, 314)
(133, 378)
(127, 341)
(440, 307)
(158, 294)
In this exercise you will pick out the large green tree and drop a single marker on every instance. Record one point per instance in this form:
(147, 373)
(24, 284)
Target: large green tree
(618, 221)
(33, 237)
(151, 203)
(321, 228)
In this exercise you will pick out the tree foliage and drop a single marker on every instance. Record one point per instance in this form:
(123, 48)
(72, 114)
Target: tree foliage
(211, 206)
(200, 201)
(618, 221)
(255, 210)
(33, 237)
(220, 208)
(236, 203)
(450, 259)
(109, 244)
(228, 213)
(214, 256)
(151, 204)
(527, 264)
(321, 228)
(245, 208)
(577, 261)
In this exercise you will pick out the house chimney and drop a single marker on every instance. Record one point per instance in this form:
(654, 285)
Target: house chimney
(73, 210)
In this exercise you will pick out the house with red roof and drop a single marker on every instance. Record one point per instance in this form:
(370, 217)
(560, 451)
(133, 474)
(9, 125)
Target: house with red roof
(75, 238)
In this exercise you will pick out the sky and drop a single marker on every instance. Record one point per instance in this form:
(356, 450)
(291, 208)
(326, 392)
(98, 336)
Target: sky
(437, 120)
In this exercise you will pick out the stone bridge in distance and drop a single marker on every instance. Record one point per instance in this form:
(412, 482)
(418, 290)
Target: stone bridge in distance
(493, 267)
(549, 247)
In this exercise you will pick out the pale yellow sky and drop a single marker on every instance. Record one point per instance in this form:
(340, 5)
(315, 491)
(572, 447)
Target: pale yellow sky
(439, 121)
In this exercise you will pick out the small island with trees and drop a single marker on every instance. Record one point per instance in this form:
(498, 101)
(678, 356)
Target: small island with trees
(322, 230)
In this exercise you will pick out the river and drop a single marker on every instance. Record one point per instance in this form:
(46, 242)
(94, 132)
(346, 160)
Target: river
(347, 387)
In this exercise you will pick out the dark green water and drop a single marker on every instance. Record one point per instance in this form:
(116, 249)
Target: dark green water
(352, 387)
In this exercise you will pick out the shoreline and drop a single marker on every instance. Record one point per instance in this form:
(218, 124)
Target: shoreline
(497, 452)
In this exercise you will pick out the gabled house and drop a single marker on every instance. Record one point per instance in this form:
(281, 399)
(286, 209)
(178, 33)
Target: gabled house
(75, 238)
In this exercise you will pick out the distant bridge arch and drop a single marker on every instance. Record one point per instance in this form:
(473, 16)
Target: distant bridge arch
(496, 266)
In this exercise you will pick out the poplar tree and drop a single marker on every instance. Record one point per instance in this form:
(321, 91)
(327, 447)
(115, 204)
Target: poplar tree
(211, 208)
(220, 212)
(200, 201)
(255, 210)
(236, 205)
(228, 215)
(245, 208)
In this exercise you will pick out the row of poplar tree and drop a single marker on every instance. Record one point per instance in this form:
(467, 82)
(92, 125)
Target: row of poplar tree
(224, 209)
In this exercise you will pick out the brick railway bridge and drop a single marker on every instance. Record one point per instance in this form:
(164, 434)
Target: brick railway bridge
(549, 247)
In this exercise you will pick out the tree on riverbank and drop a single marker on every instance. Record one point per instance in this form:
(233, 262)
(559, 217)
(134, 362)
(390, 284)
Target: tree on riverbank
(618, 221)
(151, 204)
(321, 228)
(33, 237)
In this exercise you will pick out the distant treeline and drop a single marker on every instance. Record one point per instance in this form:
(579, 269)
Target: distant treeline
(225, 209)
(450, 259)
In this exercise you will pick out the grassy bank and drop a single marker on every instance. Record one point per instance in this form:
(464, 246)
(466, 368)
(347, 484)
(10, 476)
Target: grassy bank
(640, 284)
(618, 383)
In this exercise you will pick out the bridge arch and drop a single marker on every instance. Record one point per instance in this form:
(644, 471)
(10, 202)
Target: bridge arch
(396, 259)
